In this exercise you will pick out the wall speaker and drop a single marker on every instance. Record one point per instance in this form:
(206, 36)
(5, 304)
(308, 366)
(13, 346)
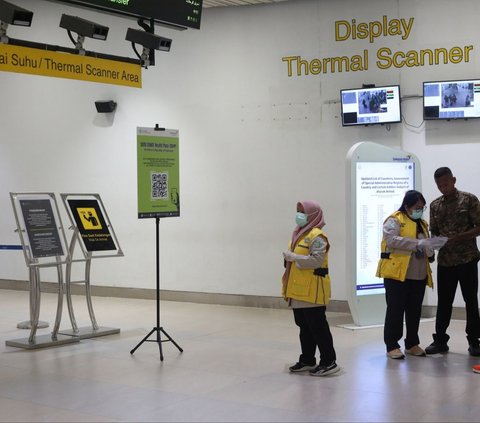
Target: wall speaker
(105, 106)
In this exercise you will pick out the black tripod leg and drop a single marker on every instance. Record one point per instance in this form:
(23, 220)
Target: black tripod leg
(171, 340)
(159, 342)
(143, 340)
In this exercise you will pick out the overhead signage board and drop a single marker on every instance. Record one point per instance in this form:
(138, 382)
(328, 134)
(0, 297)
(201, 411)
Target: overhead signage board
(182, 13)
(158, 177)
(35, 61)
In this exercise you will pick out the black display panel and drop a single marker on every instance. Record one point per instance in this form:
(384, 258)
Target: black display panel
(456, 99)
(182, 13)
(370, 106)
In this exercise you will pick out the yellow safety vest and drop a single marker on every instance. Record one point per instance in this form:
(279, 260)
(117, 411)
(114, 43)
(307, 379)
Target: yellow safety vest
(309, 285)
(394, 264)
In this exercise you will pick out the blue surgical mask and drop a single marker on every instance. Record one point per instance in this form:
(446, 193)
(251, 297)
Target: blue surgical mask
(417, 214)
(301, 219)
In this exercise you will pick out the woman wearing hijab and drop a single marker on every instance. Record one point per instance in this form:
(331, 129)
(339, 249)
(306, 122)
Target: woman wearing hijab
(306, 287)
(404, 264)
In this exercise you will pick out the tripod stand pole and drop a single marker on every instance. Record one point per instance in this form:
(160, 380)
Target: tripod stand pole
(157, 329)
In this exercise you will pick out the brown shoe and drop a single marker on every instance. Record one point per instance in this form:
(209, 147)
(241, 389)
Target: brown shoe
(396, 354)
(416, 351)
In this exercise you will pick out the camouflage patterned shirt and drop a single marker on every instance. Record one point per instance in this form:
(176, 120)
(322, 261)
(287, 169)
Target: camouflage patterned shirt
(451, 216)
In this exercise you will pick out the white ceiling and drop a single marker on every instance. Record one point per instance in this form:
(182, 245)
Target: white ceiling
(215, 3)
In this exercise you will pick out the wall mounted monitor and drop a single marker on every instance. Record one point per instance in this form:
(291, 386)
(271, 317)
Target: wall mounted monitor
(370, 106)
(457, 99)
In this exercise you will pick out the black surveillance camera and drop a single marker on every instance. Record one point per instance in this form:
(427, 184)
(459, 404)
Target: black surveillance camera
(14, 15)
(148, 40)
(83, 27)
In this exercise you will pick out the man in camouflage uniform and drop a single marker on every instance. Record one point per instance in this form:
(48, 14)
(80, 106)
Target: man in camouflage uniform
(456, 215)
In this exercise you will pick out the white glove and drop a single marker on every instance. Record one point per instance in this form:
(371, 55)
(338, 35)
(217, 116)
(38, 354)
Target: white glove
(289, 256)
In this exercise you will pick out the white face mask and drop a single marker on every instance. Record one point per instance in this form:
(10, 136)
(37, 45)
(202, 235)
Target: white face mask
(301, 219)
(417, 214)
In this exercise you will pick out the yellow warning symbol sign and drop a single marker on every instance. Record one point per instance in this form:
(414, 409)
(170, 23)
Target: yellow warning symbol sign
(89, 218)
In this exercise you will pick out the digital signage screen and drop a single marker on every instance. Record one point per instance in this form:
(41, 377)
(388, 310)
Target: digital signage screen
(370, 106)
(458, 99)
(180, 13)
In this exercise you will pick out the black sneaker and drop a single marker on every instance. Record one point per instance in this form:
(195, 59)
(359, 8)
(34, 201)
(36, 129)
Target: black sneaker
(474, 350)
(301, 367)
(436, 348)
(325, 370)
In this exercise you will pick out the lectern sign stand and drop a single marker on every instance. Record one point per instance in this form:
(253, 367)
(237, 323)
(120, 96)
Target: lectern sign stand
(94, 233)
(44, 245)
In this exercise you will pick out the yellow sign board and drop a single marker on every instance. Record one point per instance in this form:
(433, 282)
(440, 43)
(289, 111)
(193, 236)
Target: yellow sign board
(72, 66)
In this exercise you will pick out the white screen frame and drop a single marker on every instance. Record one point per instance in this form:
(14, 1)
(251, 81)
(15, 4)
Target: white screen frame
(368, 307)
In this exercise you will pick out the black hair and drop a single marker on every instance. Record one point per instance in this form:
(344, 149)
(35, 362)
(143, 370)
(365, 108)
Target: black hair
(411, 197)
(442, 171)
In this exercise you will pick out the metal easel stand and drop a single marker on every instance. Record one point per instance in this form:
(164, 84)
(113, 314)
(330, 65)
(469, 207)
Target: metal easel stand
(27, 324)
(89, 331)
(35, 341)
(158, 330)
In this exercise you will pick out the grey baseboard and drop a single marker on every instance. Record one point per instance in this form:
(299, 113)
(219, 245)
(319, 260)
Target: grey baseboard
(165, 295)
(338, 306)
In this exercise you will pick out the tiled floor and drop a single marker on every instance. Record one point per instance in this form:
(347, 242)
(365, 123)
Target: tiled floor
(233, 368)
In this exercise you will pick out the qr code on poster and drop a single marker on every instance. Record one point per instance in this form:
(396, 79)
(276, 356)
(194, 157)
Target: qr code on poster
(159, 184)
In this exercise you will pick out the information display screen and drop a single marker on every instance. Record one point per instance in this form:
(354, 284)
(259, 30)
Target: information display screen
(451, 99)
(380, 188)
(183, 13)
(369, 106)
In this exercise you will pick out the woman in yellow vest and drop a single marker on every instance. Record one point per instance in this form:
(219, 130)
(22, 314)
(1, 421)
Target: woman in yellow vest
(405, 267)
(306, 287)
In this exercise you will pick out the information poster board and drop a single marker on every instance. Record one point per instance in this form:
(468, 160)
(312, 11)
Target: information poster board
(38, 218)
(377, 179)
(380, 188)
(158, 173)
(87, 213)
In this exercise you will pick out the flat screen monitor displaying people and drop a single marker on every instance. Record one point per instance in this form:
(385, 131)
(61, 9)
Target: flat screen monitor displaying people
(370, 106)
(458, 99)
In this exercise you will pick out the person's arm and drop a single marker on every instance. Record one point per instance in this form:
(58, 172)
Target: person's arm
(317, 251)
(391, 234)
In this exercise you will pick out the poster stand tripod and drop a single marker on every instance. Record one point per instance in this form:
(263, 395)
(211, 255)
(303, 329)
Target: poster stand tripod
(158, 330)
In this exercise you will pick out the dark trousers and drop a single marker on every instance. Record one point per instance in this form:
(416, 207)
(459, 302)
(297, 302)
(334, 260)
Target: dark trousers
(403, 299)
(448, 278)
(314, 332)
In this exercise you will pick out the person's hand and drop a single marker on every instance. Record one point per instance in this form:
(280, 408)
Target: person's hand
(422, 244)
(289, 256)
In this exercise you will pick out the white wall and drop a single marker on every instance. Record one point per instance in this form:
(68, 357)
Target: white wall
(253, 141)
